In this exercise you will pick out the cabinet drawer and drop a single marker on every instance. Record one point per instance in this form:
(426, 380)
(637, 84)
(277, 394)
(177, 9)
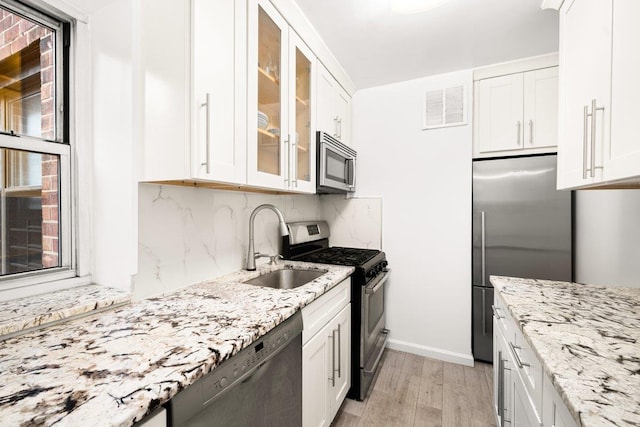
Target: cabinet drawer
(325, 308)
(525, 362)
(502, 319)
(529, 368)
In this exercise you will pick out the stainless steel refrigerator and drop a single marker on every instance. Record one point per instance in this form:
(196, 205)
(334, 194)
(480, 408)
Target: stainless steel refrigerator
(522, 227)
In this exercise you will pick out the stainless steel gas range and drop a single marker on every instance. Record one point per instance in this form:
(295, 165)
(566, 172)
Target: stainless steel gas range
(309, 242)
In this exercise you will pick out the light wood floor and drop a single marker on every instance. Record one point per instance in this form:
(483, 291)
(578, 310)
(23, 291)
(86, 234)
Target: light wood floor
(416, 391)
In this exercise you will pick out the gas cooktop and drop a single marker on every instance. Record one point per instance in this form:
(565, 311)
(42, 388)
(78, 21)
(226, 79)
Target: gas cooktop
(339, 256)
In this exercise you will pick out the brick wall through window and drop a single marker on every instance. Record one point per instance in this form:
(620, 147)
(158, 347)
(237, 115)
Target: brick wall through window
(19, 35)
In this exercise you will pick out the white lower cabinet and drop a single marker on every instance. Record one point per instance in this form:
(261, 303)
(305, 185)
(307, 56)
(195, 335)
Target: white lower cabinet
(326, 356)
(555, 412)
(523, 395)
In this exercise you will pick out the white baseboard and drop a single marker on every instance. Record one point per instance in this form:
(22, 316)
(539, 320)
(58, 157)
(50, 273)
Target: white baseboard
(434, 353)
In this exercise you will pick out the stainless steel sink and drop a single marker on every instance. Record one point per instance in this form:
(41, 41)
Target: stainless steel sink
(287, 278)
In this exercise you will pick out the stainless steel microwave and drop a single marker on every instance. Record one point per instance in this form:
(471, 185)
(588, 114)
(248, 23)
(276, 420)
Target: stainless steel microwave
(336, 166)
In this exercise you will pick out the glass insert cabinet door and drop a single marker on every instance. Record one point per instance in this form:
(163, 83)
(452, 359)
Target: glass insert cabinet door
(268, 39)
(302, 116)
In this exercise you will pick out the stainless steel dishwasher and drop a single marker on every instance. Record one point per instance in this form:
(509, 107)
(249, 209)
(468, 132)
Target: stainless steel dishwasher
(259, 386)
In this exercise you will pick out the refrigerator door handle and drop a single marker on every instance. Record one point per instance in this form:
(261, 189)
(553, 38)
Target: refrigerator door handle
(484, 312)
(482, 247)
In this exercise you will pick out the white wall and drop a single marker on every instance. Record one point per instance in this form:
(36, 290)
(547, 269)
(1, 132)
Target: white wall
(424, 178)
(607, 237)
(188, 234)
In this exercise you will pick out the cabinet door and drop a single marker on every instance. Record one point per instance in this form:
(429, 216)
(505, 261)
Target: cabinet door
(503, 381)
(500, 113)
(267, 96)
(585, 76)
(341, 341)
(302, 141)
(523, 414)
(218, 153)
(623, 155)
(316, 362)
(541, 108)
(343, 112)
(326, 116)
(554, 411)
(164, 66)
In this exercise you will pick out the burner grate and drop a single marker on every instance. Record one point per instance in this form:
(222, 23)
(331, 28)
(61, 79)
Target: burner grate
(340, 256)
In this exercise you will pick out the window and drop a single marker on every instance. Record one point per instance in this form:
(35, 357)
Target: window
(35, 213)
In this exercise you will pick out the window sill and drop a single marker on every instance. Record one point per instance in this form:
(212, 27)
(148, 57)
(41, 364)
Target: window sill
(23, 315)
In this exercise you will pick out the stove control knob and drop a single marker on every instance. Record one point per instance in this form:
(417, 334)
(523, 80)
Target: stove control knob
(384, 264)
(224, 382)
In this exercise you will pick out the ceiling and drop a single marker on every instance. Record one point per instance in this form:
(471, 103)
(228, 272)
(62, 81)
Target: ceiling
(377, 47)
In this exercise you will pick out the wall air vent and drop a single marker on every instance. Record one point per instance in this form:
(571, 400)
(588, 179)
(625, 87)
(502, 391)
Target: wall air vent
(445, 107)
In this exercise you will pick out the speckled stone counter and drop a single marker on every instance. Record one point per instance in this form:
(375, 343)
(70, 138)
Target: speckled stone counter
(115, 367)
(588, 340)
(25, 313)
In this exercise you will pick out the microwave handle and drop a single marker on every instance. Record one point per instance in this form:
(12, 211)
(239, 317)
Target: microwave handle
(351, 175)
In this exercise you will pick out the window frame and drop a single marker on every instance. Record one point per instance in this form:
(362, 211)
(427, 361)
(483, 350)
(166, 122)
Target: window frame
(60, 147)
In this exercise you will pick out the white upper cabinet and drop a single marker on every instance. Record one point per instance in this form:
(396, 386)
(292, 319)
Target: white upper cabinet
(585, 76)
(541, 108)
(623, 155)
(302, 98)
(599, 90)
(281, 146)
(516, 112)
(267, 92)
(192, 72)
(500, 113)
(228, 95)
(334, 107)
(218, 114)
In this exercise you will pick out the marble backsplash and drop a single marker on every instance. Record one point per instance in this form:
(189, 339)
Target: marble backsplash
(354, 222)
(187, 235)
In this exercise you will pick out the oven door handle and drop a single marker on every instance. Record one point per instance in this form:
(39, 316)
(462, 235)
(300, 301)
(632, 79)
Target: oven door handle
(375, 287)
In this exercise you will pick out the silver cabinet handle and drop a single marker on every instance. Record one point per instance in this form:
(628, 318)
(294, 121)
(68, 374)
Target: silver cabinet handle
(339, 352)
(516, 356)
(335, 126)
(594, 108)
(483, 247)
(339, 127)
(530, 132)
(518, 126)
(333, 358)
(584, 141)
(207, 105)
(294, 168)
(288, 154)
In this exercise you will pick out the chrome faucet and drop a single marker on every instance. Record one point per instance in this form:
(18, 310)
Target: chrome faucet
(252, 255)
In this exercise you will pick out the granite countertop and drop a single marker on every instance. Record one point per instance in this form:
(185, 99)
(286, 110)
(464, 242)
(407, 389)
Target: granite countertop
(115, 367)
(31, 312)
(588, 340)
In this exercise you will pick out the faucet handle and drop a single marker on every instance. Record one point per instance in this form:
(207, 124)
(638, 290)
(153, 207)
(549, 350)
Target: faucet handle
(274, 258)
(260, 255)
